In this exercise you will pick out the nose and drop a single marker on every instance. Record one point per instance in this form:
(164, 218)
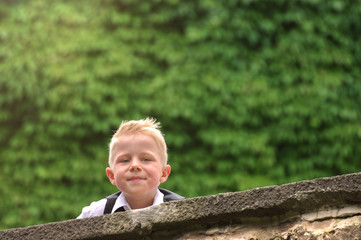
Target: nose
(134, 166)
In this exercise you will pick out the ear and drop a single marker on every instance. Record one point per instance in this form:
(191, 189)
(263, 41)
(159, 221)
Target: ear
(110, 175)
(165, 173)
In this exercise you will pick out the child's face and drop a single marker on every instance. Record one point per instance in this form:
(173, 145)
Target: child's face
(137, 168)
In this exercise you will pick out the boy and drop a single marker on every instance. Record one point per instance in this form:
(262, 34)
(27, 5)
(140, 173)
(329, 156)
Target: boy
(137, 165)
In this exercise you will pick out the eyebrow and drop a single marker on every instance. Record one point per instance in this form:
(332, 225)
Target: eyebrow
(141, 154)
(148, 154)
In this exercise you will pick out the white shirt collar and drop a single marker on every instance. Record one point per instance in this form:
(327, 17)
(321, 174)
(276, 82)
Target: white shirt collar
(121, 202)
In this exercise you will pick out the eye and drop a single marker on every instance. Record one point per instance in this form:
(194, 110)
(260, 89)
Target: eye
(146, 160)
(123, 161)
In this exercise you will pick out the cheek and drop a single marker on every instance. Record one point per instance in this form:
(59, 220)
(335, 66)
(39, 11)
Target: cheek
(118, 174)
(153, 172)
(159, 173)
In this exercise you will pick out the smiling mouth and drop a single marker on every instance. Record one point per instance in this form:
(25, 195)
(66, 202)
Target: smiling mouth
(135, 179)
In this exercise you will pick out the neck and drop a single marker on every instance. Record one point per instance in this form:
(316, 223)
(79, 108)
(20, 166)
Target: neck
(138, 202)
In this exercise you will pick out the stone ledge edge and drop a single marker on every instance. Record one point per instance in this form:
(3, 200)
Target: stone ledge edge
(298, 198)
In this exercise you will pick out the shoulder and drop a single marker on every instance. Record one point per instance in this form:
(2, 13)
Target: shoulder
(170, 196)
(94, 209)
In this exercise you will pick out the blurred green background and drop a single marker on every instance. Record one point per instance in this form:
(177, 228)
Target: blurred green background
(250, 93)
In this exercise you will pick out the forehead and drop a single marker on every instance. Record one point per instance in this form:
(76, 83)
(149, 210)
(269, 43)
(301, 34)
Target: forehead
(136, 144)
(136, 141)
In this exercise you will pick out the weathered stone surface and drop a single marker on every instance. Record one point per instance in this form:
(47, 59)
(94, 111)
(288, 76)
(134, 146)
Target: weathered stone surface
(325, 208)
(347, 228)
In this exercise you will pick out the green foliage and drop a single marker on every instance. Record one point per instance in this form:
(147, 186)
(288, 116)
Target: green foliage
(249, 93)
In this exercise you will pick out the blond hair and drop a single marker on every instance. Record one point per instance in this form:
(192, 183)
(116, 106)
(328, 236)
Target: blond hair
(148, 126)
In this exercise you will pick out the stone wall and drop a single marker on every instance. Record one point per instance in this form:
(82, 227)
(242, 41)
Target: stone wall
(324, 208)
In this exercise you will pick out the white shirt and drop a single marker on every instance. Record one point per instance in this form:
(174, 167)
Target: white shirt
(97, 208)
